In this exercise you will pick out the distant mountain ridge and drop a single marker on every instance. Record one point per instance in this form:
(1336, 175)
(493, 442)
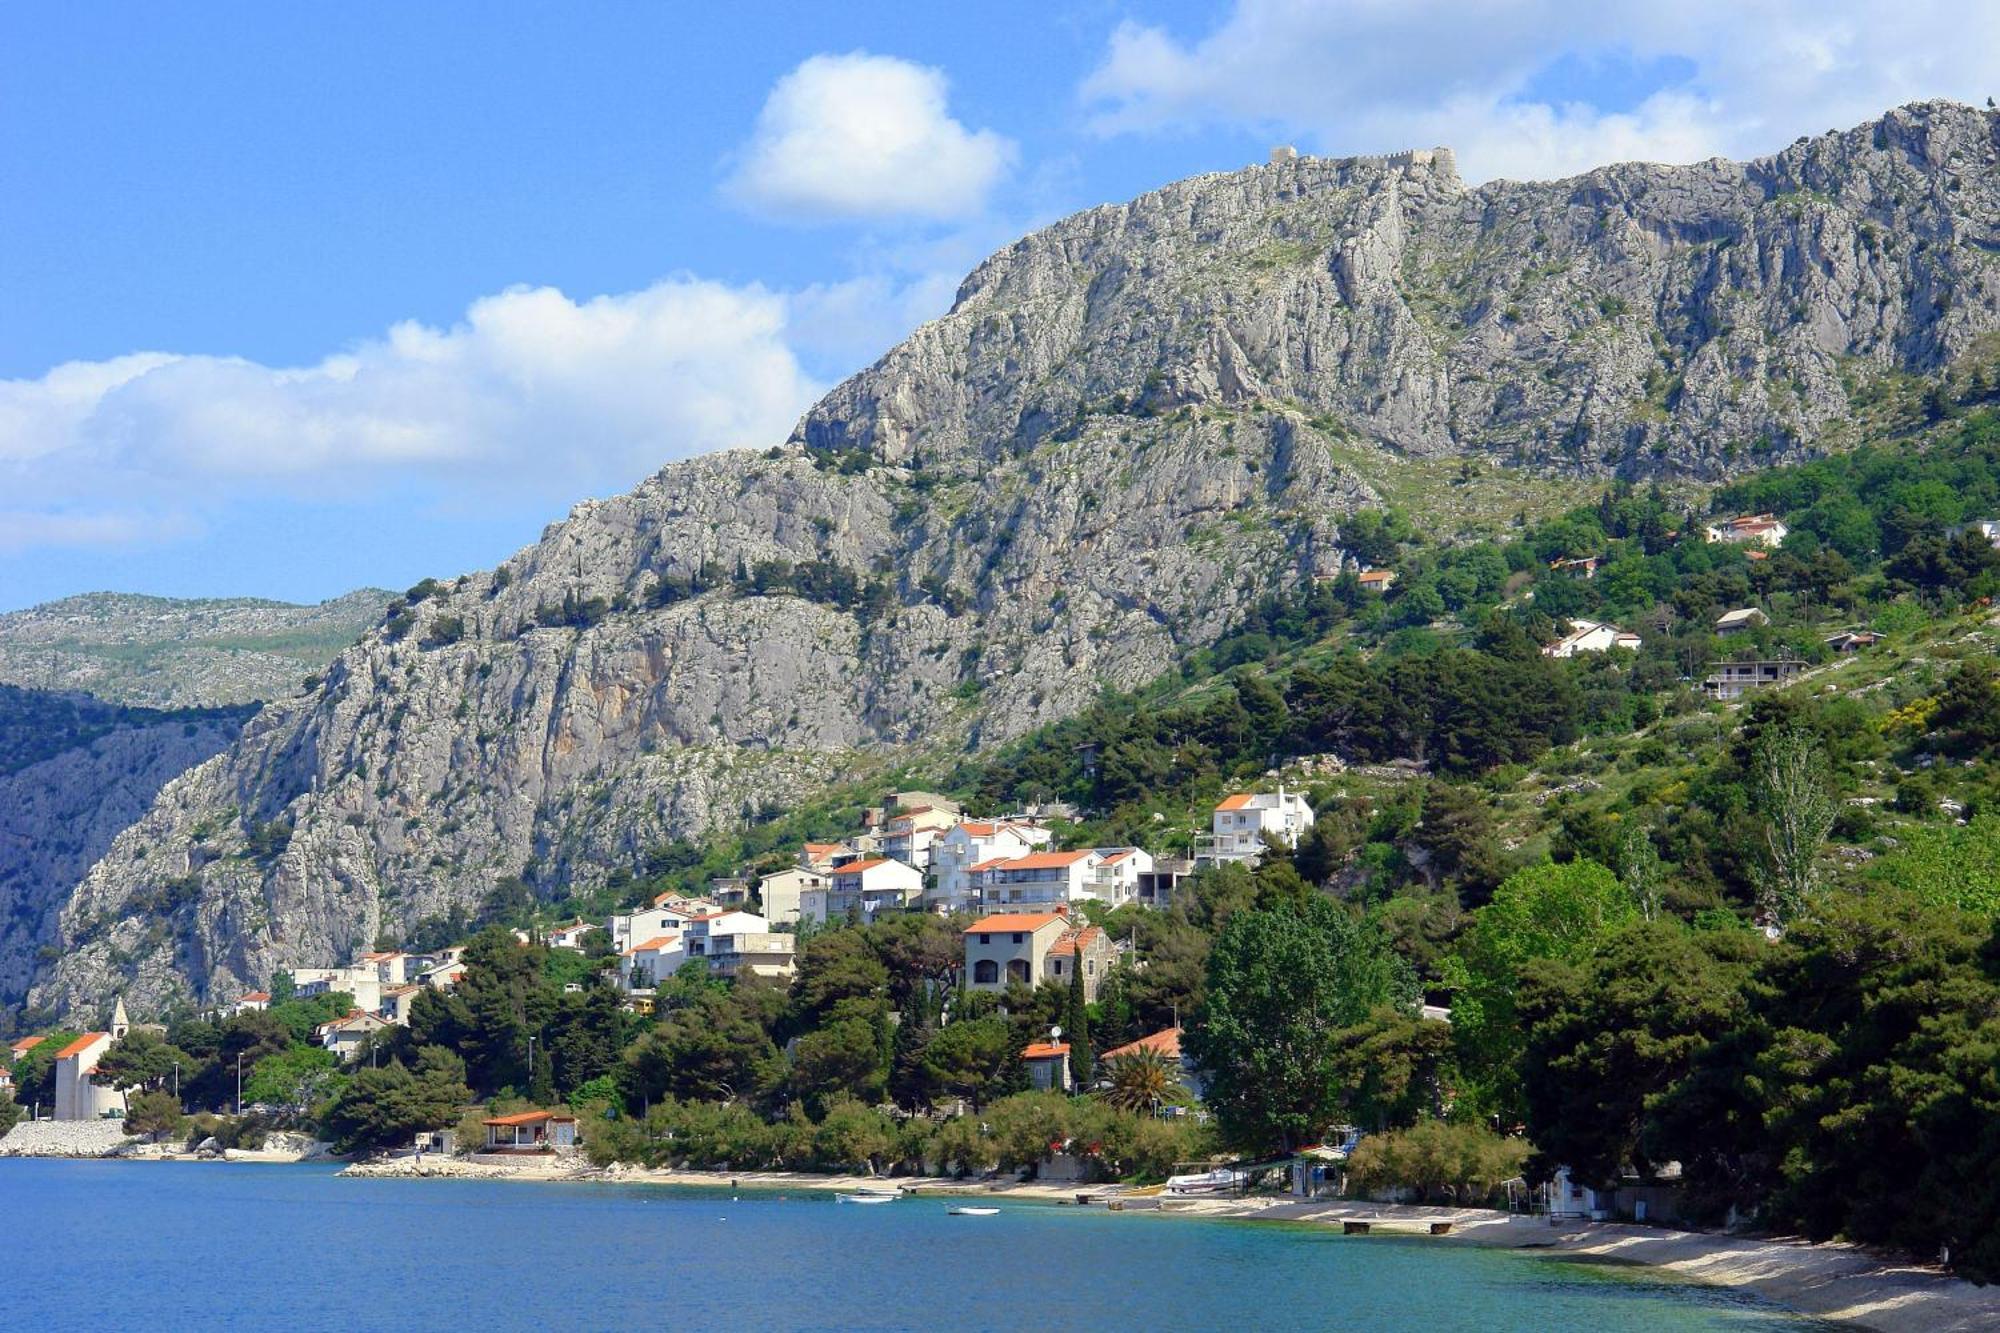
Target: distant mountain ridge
(165, 652)
(1131, 425)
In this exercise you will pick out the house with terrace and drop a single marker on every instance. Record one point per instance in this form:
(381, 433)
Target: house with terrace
(863, 888)
(1038, 879)
(972, 842)
(1245, 822)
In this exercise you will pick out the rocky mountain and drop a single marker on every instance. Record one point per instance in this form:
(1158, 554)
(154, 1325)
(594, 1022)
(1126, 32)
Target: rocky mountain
(1130, 424)
(164, 652)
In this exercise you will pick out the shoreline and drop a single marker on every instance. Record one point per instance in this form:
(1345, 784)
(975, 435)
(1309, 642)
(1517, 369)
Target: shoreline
(1832, 1281)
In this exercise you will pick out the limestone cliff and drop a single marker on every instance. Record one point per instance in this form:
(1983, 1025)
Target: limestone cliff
(1129, 424)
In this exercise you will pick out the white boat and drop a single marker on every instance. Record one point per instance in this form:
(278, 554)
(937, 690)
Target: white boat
(973, 1212)
(867, 1196)
(1221, 1181)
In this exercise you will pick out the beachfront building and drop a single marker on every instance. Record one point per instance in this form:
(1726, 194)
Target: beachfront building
(1166, 1043)
(1244, 822)
(78, 1097)
(530, 1131)
(972, 842)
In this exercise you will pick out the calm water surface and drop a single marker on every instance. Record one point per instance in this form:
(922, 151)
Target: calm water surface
(99, 1245)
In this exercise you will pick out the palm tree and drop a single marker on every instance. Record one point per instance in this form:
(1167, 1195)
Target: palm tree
(1142, 1080)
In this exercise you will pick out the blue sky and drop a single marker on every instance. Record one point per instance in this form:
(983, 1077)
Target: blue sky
(301, 297)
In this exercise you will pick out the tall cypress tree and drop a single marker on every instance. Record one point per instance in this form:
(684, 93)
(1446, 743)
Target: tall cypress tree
(1078, 1025)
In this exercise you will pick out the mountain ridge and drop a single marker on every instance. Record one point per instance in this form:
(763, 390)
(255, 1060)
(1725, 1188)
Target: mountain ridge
(1131, 425)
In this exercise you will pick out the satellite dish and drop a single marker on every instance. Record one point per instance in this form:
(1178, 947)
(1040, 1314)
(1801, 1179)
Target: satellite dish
(1055, 1033)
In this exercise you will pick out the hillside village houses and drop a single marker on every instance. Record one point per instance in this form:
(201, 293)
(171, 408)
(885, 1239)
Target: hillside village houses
(1739, 620)
(1590, 636)
(1003, 867)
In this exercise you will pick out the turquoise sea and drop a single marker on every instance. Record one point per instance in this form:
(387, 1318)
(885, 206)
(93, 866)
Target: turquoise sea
(100, 1245)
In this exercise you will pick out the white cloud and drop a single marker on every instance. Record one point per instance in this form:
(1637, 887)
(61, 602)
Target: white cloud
(865, 136)
(531, 395)
(1363, 76)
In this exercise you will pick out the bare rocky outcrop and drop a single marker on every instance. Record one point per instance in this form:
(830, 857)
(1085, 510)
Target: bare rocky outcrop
(1131, 424)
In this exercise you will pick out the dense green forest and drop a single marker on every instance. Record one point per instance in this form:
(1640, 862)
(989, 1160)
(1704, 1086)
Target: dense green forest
(40, 724)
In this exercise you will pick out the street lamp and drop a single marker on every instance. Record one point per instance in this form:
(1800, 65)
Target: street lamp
(239, 1085)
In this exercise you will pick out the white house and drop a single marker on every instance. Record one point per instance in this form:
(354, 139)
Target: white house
(1743, 618)
(1114, 878)
(909, 835)
(397, 1001)
(361, 982)
(570, 936)
(443, 975)
(391, 966)
(782, 893)
(251, 1002)
(969, 843)
(1040, 878)
(867, 887)
(1757, 529)
(647, 964)
(1244, 820)
(1590, 636)
(343, 1036)
(668, 916)
(761, 953)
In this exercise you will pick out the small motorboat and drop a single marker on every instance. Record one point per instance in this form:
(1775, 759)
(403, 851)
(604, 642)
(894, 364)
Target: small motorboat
(867, 1196)
(967, 1211)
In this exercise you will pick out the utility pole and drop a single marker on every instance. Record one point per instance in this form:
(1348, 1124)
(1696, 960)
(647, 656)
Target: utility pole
(239, 1085)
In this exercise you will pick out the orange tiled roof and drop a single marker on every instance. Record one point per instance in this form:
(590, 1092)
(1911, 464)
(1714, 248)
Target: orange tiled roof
(1048, 860)
(1003, 921)
(657, 942)
(255, 996)
(856, 867)
(1045, 1050)
(80, 1045)
(26, 1044)
(1073, 941)
(1167, 1042)
(1238, 801)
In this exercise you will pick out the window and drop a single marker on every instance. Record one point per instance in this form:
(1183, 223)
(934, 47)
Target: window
(986, 971)
(1055, 966)
(985, 938)
(1017, 937)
